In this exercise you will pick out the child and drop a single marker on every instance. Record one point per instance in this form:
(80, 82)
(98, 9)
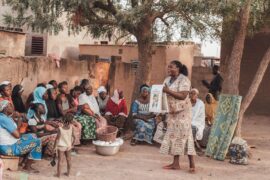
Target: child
(64, 141)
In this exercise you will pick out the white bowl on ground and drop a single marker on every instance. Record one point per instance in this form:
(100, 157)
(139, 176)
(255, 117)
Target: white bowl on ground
(108, 148)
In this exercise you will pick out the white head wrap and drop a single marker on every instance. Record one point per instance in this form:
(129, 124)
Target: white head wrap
(195, 90)
(101, 89)
(5, 83)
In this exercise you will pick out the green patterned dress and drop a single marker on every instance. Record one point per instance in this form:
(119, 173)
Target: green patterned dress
(88, 126)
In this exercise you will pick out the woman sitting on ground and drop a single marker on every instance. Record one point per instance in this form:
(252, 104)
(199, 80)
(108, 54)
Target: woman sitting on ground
(19, 118)
(90, 117)
(39, 126)
(116, 110)
(53, 114)
(210, 109)
(12, 143)
(75, 93)
(102, 99)
(30, 97)
(66, 105)
(17, 99)
(144, 120)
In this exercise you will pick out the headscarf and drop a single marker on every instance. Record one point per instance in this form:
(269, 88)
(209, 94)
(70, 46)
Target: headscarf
(49, 86)
(115, 97)
(195, 90)
(5, 83)
(210, 109)
(101, 89)
(3, 105)
(38, 98)
(17, 99)
(145, 88)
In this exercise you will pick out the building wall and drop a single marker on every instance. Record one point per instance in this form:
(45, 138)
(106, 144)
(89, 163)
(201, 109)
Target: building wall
(12, 43)
(255, 48)
(31, 71)
(124, 74)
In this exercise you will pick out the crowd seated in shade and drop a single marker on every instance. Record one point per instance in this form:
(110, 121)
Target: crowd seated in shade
(37, 120)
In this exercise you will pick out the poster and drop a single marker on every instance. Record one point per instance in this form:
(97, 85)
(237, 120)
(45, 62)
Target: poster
(158, 100)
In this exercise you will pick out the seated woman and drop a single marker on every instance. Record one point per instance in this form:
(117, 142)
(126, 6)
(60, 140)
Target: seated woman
(37, 125)
(144, 120)
(18, 117)
(90, 117)
(75, 93)
(210, 113)
(116, 110)
(66, 105)
(12, 143)
(210, 109)
(102, 99)
(30, 97)
(40, 95)
(17, 99)
(53, 114)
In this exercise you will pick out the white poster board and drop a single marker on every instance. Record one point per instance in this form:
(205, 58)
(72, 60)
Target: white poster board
(158, 100)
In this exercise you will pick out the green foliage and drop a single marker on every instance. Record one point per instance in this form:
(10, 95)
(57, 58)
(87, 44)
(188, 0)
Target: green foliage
(164, 18)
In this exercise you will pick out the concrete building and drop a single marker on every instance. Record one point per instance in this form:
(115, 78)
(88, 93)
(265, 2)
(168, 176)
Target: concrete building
(117, 64)
(62, 45)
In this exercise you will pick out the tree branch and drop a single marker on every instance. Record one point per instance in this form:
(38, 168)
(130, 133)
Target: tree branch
(164, 21)
(108, 8)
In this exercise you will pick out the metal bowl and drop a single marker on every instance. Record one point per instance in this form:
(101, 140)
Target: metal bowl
(107, 150)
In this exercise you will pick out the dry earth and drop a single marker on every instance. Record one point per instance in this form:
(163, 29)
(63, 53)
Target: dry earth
(144, 162)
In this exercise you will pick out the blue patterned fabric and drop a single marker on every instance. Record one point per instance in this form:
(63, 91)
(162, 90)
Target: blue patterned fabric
(27, 144)
(224, 126)
(144, 130)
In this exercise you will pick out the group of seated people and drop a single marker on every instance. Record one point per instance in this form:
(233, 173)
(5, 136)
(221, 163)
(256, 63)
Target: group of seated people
(30, 129)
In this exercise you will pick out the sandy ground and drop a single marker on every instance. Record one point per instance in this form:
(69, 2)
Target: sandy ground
(144, 162)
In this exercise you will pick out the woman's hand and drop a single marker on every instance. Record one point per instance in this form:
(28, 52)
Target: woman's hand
(166, 89)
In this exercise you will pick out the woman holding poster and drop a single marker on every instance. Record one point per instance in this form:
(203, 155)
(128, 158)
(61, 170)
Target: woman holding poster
(178, 140)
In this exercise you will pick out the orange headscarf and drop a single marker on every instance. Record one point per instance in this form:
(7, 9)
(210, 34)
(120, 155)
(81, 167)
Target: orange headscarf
(210, 110)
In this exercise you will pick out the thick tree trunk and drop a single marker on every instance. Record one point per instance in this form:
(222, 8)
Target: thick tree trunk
(253, 89)
(143, 73)
(234, 62)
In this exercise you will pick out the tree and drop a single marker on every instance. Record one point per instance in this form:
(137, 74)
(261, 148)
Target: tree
(106, 17)
(140, 18)
(249, 13)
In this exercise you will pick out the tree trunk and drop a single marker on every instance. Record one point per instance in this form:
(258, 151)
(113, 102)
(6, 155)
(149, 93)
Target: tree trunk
(144, 37)
(143, 73)
(234, 62)
(253, 89)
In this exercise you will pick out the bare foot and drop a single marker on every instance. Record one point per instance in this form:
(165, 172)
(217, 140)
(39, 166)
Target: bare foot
(66, 174)
(172, 167)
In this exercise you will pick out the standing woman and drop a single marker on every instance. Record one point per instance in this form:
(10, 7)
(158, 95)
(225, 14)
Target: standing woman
(178, 140)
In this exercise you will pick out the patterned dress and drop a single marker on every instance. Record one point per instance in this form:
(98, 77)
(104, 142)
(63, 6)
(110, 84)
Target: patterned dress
(88, 126)
(144, 130)
(28, 144)
(178, 139)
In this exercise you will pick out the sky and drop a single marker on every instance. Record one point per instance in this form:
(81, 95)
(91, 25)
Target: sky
(210, 48)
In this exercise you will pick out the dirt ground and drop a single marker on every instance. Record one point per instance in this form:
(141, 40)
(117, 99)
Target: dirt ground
(144, 162)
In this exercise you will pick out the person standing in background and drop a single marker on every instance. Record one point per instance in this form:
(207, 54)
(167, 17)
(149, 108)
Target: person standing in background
(215, 87)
